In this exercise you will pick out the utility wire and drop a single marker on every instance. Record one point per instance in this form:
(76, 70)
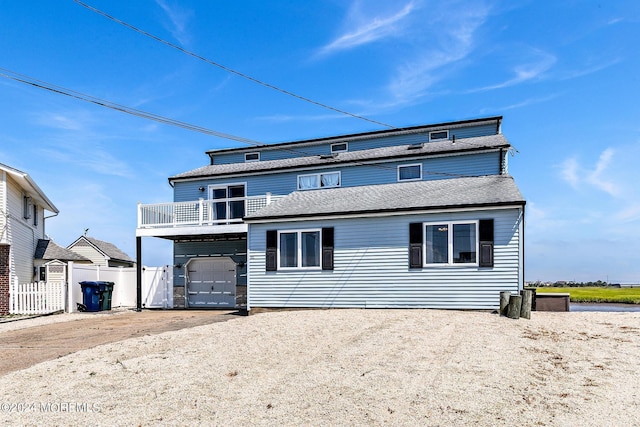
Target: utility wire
(227, 69)
(118, 107)
(21, 78)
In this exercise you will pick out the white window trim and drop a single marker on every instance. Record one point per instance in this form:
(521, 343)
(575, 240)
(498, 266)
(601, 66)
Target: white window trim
(226, 185)
(439, 131)
(319, 176)
(406, 166)
(211, 200)
(450, 264)
(346, 144)
(299, 249)
(27, 202)
(252, 160)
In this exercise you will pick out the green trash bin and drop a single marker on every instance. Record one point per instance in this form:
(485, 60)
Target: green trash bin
(107, 292)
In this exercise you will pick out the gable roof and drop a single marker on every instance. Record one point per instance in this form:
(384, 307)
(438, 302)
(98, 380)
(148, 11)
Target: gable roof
(483, 191)
(49, 250)
(108, 249)
(459, 146)
(29, 186)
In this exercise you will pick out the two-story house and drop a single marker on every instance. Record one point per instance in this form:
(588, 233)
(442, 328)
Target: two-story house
(22, 220)
(423, 216)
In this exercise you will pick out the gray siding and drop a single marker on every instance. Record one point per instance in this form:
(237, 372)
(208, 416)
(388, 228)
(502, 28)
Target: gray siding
(371, 267)
(282, 183)
(236, 249)
(365, 144)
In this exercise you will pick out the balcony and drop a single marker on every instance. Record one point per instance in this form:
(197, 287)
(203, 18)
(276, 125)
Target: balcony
(214, 216)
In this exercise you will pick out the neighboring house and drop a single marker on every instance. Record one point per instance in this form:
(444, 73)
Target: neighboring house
(51, 261)
(423, 216)
(22, 224)
(100, 252)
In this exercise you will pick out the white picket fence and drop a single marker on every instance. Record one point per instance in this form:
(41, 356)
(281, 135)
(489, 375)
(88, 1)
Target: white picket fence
(36, 298)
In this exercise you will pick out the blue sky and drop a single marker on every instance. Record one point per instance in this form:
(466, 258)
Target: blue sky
(565, 75)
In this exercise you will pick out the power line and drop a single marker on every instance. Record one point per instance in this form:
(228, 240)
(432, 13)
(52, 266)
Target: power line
(21, 78)
(227, 69)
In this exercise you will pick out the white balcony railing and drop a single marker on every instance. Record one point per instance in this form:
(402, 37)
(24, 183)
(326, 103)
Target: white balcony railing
(200, 212)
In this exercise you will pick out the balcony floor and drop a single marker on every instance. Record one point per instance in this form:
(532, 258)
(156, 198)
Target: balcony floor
(196, 230)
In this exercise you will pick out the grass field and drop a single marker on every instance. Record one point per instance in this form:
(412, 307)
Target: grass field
(598, 294)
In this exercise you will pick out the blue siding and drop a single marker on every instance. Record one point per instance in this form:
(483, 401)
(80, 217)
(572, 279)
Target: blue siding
(364, 144)
(184, 251)
(282, 183)
(371, 268)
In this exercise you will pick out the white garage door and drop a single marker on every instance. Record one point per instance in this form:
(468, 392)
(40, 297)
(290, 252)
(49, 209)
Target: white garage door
(211, 282)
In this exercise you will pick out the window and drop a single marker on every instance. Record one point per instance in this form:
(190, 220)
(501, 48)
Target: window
(299, 249)
(319, 180)
(410, 172)
(451, 243)
(437, 135)
(340, 147)
(227, 202)
(26, 207)
(251, 157)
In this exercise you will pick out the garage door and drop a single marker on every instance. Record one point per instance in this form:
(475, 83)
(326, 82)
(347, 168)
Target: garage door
(211, 283)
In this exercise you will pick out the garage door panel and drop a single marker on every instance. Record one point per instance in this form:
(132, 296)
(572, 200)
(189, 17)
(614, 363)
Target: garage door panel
(211, 282)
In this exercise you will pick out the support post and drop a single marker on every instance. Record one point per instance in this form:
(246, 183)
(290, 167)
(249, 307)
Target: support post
(69, 279)
(527, 297)
(138, 273)
(513, 309)
(504, 302)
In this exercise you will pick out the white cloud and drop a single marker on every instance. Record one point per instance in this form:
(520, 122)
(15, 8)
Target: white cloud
(597, 177)
(368, 29)
(456, 40)
(600, 176)
(584, 71)
(629, 214)
(525, 103)
(179, 19)
(76, 120)
(530, 70)
(95, 159)
(569, 171)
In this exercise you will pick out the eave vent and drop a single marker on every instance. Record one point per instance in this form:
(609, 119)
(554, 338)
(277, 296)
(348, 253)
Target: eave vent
(417, 146)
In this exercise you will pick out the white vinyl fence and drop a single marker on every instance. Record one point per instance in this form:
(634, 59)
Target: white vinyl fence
(157, 285)
(42, 298)
(36, 298)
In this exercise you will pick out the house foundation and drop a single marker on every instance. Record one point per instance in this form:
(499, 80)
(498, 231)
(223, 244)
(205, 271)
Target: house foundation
(178, 297)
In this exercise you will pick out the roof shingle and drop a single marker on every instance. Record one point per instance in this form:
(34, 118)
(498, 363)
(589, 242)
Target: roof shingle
(393, 152)
(49, 250)
(492, 190)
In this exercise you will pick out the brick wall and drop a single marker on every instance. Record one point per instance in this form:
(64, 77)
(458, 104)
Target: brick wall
(4, 279)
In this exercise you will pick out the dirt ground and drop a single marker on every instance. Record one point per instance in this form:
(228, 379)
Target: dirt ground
(24, 347)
